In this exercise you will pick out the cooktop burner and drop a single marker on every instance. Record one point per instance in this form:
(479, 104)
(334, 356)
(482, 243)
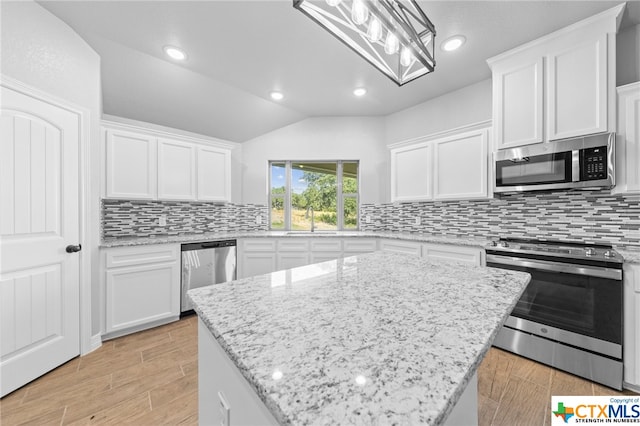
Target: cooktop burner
(556, 248)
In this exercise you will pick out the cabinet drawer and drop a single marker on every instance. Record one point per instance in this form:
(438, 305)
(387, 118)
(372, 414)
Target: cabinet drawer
(401, 247)
(360, 246)
(262, 244)
(293, 245)
(128, 256)
(326, 245)
(470, 255)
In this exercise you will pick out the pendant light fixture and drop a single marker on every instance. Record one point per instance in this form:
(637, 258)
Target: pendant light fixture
(395, 36)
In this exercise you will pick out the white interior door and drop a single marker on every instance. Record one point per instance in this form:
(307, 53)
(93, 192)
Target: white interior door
(39, 218)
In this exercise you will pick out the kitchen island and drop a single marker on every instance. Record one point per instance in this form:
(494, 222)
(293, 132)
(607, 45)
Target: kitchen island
(379, 338)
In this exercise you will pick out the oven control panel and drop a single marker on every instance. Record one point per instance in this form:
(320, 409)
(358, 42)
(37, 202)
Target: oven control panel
(594, 163)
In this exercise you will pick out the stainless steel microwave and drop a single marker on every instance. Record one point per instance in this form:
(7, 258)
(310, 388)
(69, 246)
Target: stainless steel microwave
(582, 163)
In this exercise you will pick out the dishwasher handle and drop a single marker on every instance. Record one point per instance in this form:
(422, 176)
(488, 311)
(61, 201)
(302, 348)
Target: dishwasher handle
(207, 245)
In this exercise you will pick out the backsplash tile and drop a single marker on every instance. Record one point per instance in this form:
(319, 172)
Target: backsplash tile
(135, 218)
(586, 216)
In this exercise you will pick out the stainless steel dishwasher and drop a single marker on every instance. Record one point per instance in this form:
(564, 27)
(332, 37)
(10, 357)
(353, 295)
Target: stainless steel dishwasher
(206, 263)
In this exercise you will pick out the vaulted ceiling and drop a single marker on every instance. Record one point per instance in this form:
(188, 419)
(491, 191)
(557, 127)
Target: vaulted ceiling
(239, 51)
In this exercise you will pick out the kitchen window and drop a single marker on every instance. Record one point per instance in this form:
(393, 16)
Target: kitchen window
(325, 191)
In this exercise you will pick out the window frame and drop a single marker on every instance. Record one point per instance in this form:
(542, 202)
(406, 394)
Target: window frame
(340, 196)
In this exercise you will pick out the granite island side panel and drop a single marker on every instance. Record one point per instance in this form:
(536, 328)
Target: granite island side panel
(415, 330)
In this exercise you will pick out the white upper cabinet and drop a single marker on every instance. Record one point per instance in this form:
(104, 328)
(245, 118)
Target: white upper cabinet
(578, 87)
(451, 165)
(142, 163)
(518, 116)
(628, 140)
(130, 165)
(559, 86)
(460, 166)
(214, 169)
(176, 170)
(411, 177)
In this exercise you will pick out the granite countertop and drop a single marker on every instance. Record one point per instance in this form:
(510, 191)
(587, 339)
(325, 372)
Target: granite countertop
(427, 238)
(379, 338)
(631, 254)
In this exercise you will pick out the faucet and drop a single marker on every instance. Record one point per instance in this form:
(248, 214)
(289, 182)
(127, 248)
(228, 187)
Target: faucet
(313, 225)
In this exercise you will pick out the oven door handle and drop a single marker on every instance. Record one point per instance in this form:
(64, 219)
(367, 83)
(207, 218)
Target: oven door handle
(545, 265)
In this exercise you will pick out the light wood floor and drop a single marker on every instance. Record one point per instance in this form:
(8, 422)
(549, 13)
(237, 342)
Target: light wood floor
(150, 378)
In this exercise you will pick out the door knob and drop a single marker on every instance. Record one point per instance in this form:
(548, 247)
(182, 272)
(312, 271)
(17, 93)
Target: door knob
(73, 249)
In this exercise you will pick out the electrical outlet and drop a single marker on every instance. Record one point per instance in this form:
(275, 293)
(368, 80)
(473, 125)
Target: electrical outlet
(225, 410)
(162, 220)
(367, 219)
(418, 221)
(259, 220)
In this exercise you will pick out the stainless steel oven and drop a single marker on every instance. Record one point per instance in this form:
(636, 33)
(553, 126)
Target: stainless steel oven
(570, 315)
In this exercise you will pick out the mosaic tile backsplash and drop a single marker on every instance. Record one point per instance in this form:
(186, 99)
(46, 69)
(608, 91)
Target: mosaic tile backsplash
(585, 216)
(127, 218)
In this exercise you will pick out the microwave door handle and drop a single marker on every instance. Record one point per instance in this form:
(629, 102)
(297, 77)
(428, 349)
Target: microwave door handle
(575, 165)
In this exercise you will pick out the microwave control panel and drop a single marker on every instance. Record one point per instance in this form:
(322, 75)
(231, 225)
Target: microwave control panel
(594, 163)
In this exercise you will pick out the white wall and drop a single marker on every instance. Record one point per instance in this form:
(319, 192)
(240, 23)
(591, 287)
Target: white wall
(322, 138)
(468, 105)
(628, 56)
(43, 52)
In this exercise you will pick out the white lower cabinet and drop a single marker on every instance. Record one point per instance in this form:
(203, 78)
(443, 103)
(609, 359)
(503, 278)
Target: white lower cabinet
(448, 253)
(631, 346)
(324, 249)
(256, 257)
(398, 246)
(353, 247)
(288, 260)
(263, 255)
(142, 287)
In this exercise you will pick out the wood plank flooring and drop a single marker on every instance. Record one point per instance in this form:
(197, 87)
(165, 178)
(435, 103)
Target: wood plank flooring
(151, 378)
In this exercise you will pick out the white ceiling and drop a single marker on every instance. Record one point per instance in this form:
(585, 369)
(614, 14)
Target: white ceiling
(238, 51)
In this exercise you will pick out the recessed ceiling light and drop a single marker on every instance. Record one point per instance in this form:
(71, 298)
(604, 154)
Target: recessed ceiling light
(453, 43)
(360, 91)
(175, 53)
(276, 96)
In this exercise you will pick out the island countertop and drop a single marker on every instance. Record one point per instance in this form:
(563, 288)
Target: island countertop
(378, 338)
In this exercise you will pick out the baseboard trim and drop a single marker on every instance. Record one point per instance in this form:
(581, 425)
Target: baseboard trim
(629, 386)
(95, 342)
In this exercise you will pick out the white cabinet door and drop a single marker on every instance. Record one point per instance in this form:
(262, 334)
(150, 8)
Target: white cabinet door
(131, 170)
(176, 170)
(631, 347)
(139, 295)
(447, 253)
(357, 246)
(628, 140)
(577, 88)
(256, 263)
(323, 249)
(518, 103)
(142, 287)
(397, 246)
(288, 260)
(214, 172)
(411, 173)
(460, 166)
